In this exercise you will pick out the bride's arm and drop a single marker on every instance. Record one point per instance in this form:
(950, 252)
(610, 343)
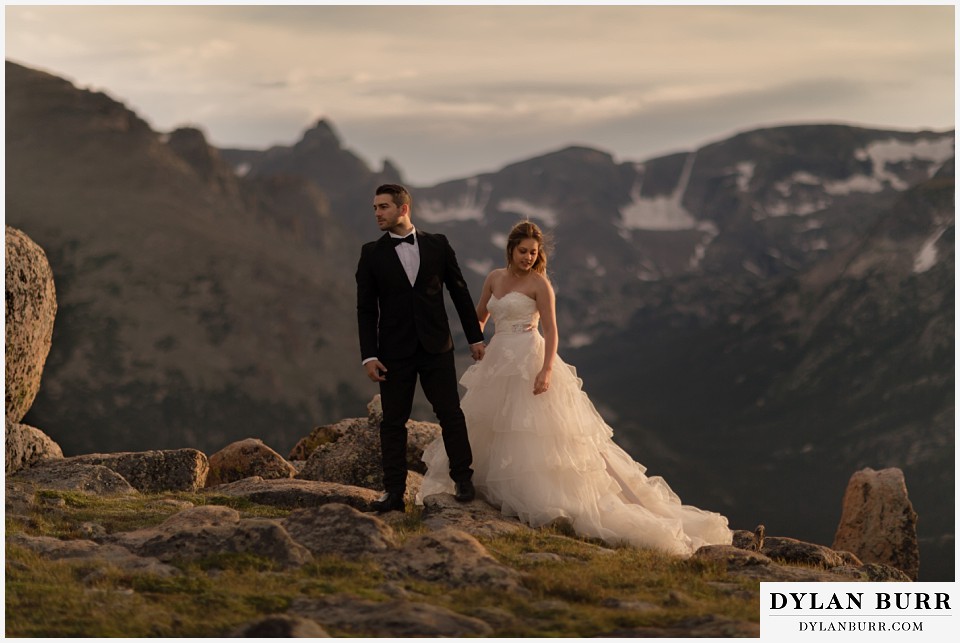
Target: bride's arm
(547, 307)
(482, 313)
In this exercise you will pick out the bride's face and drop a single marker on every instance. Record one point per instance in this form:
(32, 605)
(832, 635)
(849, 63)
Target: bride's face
(525, 254)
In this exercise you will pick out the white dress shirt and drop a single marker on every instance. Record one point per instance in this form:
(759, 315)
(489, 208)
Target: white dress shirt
(409, 254)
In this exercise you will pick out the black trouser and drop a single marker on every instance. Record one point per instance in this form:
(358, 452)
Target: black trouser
(438, 378)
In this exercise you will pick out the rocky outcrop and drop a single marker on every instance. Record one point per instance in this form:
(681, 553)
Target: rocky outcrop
(31, 305)
(246, 458)
(354, 457)
(27, 445)
(154, 471)
(443, 554)
(878, 522)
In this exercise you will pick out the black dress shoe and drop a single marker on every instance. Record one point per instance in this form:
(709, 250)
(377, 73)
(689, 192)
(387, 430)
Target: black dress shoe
(390, 501)
(465, 492)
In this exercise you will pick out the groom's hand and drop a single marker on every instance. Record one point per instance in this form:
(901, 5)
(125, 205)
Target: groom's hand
(477, 351)
(376, 370)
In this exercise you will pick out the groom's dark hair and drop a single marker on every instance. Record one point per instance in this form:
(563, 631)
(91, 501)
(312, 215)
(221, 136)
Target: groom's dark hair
(398, 192)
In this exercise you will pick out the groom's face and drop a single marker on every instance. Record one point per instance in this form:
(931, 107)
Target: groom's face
(389, 215)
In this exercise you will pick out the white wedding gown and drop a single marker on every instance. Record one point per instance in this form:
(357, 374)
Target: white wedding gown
(551, 455)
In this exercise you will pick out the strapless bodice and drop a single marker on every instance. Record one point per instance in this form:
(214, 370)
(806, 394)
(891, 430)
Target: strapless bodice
(515, 313)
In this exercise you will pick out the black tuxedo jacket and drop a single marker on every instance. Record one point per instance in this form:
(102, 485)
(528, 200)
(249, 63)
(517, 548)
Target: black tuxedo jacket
(393, 316)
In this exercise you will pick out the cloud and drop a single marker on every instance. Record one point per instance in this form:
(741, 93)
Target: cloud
(476, 86)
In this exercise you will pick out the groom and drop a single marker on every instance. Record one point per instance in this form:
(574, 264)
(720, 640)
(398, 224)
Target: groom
(404, 334)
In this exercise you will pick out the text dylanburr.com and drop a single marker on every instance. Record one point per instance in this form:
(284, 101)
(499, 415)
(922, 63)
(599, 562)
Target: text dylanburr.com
(862, 611)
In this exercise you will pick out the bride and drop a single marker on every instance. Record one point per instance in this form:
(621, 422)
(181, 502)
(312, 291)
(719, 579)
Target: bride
(541, 451)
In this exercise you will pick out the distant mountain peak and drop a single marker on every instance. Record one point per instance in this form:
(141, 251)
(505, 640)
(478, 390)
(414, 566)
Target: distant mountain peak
(322, 134)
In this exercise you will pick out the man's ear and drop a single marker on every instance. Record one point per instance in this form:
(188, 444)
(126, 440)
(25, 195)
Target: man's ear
(405, 209)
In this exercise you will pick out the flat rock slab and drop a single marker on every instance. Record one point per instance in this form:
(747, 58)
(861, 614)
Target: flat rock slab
(190, 519)
(452, 557)
(256, 536)
(339, 529)
(295, 493)
(394, 619)
(798, 552)
(71, 475)
(154, 471)
(87, 550)
(477, 518)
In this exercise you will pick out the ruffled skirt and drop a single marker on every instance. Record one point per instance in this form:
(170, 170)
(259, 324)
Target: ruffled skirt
(551, 455)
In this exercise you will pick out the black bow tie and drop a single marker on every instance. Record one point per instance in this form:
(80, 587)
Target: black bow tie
(406, 239)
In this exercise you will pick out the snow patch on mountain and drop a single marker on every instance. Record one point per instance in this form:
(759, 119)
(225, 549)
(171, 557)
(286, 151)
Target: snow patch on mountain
(660, 212)
(470, 205)
(479, 266)
(802, 193)
(800, 196)
(578, 340)
(243, 169)
(529, 211)
(926, 258)
(594, 265)
(745, 171)
(710, 231)
(885, 153)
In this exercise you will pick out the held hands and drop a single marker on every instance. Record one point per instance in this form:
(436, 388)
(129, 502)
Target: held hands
(477, 351)
(542, 382)
(376, 371)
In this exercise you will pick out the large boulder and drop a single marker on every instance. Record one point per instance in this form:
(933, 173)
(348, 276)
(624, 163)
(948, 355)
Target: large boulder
(31, 305)
(27, 445)
(155, 471)
(246, 458)
(878, 522)
(353, 460)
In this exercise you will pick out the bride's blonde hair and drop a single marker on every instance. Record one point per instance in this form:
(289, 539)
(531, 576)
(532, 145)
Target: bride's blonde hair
(528, 230)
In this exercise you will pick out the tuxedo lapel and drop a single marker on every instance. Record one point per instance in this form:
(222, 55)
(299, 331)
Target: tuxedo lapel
(390, 263)
(426, 257)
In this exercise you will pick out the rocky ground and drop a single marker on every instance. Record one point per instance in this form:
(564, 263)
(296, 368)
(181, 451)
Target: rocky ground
(264, 507)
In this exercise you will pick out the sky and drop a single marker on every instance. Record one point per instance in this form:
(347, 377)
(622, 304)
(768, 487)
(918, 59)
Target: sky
(448, 92)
